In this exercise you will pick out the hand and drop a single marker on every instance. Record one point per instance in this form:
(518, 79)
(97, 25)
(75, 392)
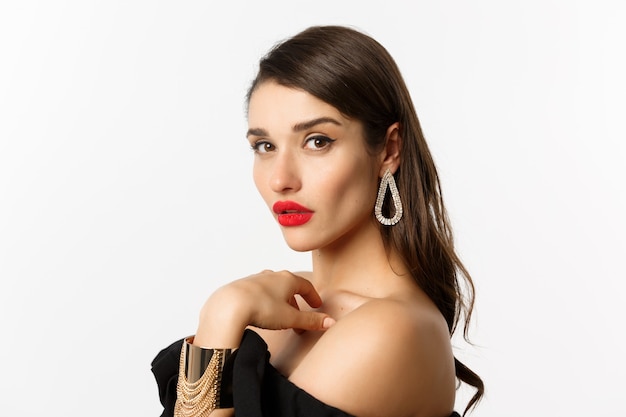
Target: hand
(265, 300)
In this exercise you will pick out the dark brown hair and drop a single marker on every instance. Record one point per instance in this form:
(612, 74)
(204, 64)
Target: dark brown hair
(354, 73)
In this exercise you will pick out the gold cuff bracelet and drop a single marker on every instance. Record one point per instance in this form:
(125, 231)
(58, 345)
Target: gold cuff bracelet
(204, 380)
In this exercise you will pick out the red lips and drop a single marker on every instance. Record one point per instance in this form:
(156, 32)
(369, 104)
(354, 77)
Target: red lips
(291, 213)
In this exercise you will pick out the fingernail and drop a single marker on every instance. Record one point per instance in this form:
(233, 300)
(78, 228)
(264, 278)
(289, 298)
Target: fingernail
(328, 322)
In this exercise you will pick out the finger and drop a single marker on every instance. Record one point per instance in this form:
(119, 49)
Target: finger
(307, 291)
(311, 320)
(294, 303)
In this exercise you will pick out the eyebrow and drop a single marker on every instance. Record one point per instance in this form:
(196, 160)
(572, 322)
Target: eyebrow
(298, 127)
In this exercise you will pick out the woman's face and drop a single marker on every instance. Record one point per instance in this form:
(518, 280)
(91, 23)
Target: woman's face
(311, 167)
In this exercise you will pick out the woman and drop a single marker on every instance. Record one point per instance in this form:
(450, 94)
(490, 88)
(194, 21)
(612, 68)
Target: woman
(342, 164)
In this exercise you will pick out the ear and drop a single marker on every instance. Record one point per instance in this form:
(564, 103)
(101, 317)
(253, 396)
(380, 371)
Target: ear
(390, 155)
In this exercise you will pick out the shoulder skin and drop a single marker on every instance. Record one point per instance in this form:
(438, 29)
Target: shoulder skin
(387, 357)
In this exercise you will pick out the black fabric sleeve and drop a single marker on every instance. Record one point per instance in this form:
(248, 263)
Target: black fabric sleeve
(165, 369)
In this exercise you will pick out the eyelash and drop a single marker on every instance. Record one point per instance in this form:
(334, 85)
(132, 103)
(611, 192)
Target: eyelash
(325, 139)
(257, 146)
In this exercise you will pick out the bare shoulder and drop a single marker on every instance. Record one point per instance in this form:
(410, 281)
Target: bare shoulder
(387, 357)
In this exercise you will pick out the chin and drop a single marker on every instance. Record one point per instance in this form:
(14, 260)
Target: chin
(299, 243)
(299, 246)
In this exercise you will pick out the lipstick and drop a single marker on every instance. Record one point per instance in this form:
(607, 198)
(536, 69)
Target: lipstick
(291, 213)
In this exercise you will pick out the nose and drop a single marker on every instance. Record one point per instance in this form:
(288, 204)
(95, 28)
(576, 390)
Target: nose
(285, 174)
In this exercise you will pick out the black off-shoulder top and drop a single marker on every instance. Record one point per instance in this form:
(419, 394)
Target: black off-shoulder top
(259, 390)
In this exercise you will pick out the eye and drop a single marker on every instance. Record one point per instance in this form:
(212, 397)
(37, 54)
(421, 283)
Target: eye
(318, 142)
(262, 146)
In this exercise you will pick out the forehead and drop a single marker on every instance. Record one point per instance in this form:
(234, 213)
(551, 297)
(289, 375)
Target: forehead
(272, 104)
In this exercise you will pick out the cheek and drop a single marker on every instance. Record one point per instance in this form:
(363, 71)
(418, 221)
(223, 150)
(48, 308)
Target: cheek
(259, 180)
(354, 184)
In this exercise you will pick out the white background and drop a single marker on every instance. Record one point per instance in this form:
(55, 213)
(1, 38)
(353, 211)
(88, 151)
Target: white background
(126, 195)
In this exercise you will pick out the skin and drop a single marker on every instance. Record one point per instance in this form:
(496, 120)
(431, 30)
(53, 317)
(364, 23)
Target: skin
(358, 317)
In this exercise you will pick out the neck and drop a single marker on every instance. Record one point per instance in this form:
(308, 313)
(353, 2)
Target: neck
(358, 263)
